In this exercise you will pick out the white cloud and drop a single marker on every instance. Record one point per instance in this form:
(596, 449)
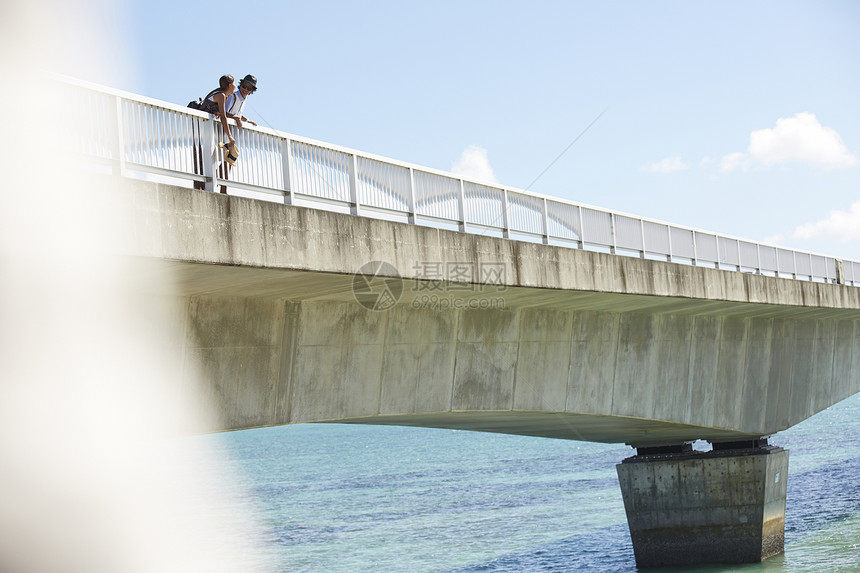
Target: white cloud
(841, 225)
(668, 165)
(734, 161)
(800, 139)
(474, 164)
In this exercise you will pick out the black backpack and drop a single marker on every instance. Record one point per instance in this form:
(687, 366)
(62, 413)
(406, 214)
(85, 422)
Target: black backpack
(205, 104)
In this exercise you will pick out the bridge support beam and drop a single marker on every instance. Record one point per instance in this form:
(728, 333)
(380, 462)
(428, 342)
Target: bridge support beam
(724, 506)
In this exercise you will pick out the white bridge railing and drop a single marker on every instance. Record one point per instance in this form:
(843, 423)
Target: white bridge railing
(139, 137)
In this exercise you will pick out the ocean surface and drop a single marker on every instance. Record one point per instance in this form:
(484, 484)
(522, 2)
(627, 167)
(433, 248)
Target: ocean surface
(346, 498)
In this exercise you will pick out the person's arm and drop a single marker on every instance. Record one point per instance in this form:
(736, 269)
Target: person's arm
(221, 100)
(245, 119)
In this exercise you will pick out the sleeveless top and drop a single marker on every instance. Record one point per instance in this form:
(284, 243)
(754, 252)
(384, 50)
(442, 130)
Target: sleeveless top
(209, 105)
(235, 104)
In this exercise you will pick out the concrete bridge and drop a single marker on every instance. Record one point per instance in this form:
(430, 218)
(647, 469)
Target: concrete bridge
(290, 324)
(296, 314)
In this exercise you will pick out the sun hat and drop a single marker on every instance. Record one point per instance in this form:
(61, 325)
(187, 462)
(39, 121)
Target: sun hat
(231, 152)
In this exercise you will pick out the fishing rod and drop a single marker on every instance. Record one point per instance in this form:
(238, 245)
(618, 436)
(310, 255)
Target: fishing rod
(566, 148)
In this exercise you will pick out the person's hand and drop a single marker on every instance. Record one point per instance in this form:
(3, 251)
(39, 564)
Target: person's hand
(231, 140)
(252, 123)
(238, 122)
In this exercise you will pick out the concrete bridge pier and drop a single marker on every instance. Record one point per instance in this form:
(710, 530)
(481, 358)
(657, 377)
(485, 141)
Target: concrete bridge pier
(724, 506)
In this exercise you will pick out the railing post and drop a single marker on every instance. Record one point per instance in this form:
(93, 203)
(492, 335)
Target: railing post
(581, 228)
(612, 238)
(695, 249)
(545, 214)
(738, 245)
(353, 185)
(117, 135)
(210, 157)
(287, 167)
(717, 245)
(669, 237)
(461, 206)
(410, 206)
(506, 225)
(642, 235)
(758, 259)
(160, 125)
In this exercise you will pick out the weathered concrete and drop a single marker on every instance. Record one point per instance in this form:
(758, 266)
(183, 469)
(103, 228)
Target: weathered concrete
(715, 507)
(577, 345)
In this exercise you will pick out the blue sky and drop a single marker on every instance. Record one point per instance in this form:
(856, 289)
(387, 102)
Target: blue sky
(735, 117)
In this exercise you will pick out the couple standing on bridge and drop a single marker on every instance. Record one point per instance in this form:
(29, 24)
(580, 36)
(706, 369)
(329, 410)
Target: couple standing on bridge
(226, 102)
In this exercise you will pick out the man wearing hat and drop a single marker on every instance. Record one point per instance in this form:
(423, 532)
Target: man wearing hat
(236, 100)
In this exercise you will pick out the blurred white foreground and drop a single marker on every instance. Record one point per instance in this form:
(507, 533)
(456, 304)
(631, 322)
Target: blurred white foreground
(91, 475)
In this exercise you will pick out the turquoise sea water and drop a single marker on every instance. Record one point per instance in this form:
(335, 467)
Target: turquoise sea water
(344, 498)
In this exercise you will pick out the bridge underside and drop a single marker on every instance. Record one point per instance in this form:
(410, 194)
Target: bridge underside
(282, 346)
(561, 425)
